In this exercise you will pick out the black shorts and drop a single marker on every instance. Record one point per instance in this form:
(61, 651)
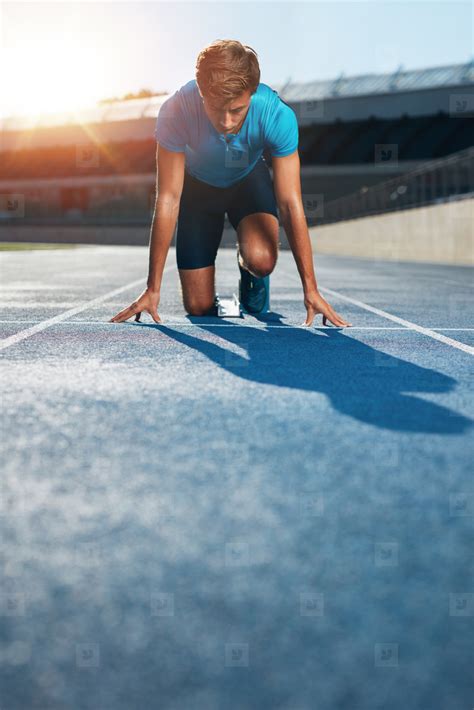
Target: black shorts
(202, 210)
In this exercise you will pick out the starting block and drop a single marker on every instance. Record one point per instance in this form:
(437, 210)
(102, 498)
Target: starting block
(228, 307)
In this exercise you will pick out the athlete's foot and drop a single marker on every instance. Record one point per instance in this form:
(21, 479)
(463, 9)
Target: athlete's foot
(252, 291)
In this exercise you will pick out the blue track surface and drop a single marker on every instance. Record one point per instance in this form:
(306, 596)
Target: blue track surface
(221, 515)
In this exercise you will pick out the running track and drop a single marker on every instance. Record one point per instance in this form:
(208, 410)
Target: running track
(223, 515)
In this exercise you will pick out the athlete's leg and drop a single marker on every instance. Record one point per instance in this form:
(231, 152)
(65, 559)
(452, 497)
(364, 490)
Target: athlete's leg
(200, 227)
(198, 289)
(258, 243)
(254, 215)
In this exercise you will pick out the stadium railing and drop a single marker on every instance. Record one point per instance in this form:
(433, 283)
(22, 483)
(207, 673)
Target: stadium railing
(436, 181)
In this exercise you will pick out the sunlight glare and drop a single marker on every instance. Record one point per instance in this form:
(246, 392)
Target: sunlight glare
(54, 78)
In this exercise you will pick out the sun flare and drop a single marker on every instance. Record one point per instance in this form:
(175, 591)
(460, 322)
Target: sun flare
(57, 78)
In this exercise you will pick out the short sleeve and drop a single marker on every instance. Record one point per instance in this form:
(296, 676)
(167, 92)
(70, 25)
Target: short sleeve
(170, 129)
(282, 130)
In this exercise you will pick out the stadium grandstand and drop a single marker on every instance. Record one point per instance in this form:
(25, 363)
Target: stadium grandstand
(96, 169)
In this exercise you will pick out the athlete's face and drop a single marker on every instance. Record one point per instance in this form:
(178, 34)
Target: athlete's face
(227, 117)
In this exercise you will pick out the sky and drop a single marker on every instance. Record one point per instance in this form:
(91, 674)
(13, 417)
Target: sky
(66, 55)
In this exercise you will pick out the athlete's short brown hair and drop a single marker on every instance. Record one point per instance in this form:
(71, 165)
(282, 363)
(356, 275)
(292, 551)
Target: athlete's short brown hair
(226, 68)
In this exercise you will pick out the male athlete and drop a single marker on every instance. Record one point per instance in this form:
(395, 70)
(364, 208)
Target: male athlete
(211, 134)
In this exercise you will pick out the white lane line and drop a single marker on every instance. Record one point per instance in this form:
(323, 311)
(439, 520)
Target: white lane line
(12, 321)
(408, 324)
(42, 325)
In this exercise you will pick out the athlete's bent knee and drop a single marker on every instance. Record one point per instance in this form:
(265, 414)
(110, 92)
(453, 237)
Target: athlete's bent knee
(261, 264)
(197, 309)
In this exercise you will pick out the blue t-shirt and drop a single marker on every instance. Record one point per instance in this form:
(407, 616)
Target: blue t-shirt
(182, 125)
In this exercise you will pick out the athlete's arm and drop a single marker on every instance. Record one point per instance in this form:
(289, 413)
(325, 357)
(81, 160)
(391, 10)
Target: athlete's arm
(287, 186)
(170, 177)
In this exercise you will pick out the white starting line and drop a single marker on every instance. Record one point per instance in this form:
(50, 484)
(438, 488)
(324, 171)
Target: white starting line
(237, 322)
(405, 324)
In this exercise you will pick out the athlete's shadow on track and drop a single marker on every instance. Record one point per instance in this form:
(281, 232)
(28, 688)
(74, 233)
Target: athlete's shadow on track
(360, 381)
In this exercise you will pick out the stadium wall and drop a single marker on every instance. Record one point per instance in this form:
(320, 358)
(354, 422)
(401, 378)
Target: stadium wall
(441, 234)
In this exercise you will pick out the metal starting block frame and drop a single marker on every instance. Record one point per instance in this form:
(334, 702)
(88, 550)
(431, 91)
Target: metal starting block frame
(228, 307)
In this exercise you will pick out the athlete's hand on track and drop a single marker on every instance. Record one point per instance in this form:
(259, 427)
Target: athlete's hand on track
(148, 301)
(315, 303)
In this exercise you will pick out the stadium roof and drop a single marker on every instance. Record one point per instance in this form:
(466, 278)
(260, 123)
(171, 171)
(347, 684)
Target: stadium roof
(366, 84)
(370, 84)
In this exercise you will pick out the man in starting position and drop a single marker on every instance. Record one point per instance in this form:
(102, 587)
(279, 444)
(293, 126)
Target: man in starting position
(211, 135)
